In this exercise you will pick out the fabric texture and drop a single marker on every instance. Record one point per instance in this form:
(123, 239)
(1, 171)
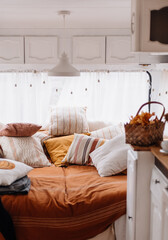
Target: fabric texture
(80, 149)
(24, 149)
(67, 121)
(1, 152)
(19, 129)
(6, 225)
(2, 126)
(58, 148)
(111, 158)
(8, 176)
(67, 203)
(108, 132)
(20, 186)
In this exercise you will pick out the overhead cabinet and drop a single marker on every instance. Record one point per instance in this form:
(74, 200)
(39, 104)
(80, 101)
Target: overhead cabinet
(149, 24)
(11, 50)
(118, 50)
(41, 50)
(89, 50)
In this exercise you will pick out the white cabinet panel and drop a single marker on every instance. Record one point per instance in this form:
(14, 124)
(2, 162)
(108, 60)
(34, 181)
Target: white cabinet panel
(147, 44)
(89, 50)
(165, 214)
(118, 50)
(156, 219)
(149, 25)
(131, 195)
(139, 167)
(159, 206)
(41, 50)
(11, 50)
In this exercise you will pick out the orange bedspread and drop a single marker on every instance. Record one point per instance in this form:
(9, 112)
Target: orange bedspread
(72, 203)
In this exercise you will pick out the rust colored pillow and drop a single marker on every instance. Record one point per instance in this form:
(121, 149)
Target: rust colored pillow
(19, 130)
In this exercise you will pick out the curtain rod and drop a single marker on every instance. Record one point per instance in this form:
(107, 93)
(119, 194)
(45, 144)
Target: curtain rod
(84, 71)
(81, 70)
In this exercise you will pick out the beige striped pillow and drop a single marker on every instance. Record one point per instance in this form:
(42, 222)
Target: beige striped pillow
(67, 121)
(80, 149)
(27, 150)
(108, 132)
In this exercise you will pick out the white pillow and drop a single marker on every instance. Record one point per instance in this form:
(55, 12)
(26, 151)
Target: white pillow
(67, 121)
(24, 149)
(108, 132)
(111, 157)
(8, 176)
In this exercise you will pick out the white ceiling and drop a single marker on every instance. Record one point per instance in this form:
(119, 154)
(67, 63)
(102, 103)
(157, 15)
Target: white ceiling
(84, 13)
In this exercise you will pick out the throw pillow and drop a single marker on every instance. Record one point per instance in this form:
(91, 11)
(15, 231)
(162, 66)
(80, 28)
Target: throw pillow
(108, 132)
(24, 149)
(19, 129)
(9, 175)
(80, 149)
(111, 158)
(67, 121)
(58, 147)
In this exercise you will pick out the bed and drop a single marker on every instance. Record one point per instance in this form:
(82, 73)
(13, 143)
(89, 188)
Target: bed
(70, 202)
(67, 203)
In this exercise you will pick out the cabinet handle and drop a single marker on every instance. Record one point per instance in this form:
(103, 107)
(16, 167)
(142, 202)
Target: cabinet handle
(133, 23)
(129, 217)
(157, 181)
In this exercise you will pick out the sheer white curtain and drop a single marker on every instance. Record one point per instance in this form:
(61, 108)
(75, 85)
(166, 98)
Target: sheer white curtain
(160, 93)
(24, 97)
(110, 97)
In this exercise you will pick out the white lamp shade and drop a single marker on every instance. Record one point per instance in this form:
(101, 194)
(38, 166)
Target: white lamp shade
(64, 68)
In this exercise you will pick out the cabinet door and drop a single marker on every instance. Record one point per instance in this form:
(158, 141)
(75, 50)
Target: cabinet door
(118, 50)
(147, 44)
(11, 50)
(131, 195)
(156, 219)
(158, 184)
(41, 50)
(89, 50)
(165, 214)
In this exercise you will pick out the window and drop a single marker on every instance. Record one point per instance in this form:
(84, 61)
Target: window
(110, 97)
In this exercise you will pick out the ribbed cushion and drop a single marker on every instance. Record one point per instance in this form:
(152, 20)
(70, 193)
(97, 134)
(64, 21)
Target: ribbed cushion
(80, 149)
(108, 132)
(24, 149)
(67, 121)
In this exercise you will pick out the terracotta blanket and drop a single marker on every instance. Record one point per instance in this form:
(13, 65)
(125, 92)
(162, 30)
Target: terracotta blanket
(72, 203)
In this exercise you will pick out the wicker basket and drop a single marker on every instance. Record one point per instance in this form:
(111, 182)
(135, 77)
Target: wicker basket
(146, 135)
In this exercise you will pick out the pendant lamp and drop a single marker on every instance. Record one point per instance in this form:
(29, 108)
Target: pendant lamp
(64, 68)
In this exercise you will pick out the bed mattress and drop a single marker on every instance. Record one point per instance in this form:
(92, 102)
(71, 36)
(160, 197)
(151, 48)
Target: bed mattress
(72, 203)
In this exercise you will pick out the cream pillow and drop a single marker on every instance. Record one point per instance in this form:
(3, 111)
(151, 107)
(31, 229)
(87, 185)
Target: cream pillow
(111, 158)
(67, 121)
(8, 176)
(24, 149)
(108, 132)
(80, 148)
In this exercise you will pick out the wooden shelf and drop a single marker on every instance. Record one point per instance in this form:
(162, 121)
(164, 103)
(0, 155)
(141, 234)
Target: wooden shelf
(163, 158)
